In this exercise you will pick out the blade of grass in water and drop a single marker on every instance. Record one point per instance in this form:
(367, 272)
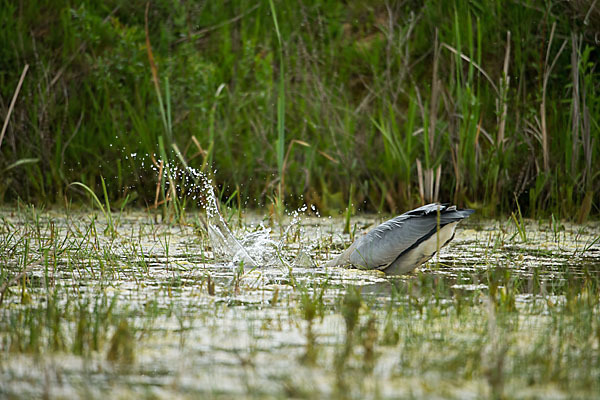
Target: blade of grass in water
(105, 211)
(280, 115)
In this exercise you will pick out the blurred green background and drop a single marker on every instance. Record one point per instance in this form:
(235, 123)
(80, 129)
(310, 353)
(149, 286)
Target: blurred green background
(381, 104)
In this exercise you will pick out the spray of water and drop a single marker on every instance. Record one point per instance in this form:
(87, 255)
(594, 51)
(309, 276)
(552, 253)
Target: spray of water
(199, 186)
(253, 249)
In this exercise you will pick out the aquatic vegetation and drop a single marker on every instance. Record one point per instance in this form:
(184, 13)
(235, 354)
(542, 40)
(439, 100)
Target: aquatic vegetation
(154, 311)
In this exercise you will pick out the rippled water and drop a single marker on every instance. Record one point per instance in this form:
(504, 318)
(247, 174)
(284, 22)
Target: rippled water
(200, 322)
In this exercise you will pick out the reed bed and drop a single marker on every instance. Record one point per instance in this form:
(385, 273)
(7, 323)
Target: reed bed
(389, 104)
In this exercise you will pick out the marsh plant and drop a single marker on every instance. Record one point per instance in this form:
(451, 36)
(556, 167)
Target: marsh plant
(381, 104)
(494, 316)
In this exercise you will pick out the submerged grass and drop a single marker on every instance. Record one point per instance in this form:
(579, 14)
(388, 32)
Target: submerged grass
(494, 100)
(155, 314)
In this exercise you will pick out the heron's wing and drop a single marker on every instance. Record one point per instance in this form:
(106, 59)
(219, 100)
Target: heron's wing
(430, 208)
(381, 246)
(384, 244)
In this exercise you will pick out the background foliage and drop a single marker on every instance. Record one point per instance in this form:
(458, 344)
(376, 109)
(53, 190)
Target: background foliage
(501, 97)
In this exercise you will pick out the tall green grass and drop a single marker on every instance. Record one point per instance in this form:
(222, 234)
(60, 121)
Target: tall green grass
(502, 98)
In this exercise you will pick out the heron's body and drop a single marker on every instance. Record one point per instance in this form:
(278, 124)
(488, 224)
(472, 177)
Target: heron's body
(403, 243)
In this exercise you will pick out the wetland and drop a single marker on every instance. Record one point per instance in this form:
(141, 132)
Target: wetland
(139, 307)
(159, 114)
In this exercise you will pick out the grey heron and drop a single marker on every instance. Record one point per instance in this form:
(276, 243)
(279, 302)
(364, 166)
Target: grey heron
(403, 243)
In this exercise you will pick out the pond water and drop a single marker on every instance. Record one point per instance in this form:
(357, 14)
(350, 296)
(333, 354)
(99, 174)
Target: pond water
(144, 309)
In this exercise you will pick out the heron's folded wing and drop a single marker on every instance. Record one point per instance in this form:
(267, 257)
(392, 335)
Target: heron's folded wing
(381, 246)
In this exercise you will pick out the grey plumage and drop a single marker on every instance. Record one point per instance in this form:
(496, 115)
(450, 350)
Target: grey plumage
(403, 243)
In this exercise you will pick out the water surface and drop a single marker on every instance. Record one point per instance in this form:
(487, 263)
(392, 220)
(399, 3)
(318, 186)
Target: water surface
(159, 310)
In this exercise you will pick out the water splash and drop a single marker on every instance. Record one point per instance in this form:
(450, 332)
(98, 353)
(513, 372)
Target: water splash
(260, 246)
(253, 249)
(200, 187)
